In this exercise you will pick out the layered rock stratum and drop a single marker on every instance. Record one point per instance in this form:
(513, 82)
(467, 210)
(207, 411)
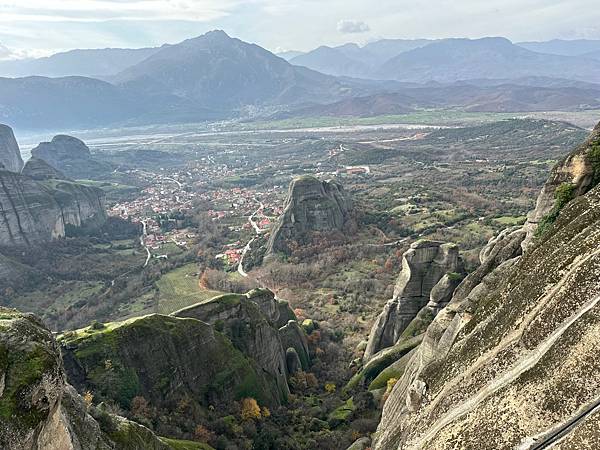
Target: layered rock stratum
(311, 206)
(33, 212)
(511, 361)
(10, 155)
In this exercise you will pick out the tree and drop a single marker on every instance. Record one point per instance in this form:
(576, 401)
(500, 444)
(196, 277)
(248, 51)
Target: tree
(139, 407)
(250, 409)
(203, 434)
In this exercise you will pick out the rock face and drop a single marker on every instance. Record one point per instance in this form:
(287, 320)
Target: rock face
(163, 359)
(40, 170)
(293, 336)
(311, 206)
(10, 155)
(38, 409)
(70, 156)
(251, 331)
(34, 211)
(513, 357)
(576, 174)
(426, 267)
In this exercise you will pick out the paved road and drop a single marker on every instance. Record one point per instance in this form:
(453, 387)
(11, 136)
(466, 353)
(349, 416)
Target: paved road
(149, 255)
(258, 232)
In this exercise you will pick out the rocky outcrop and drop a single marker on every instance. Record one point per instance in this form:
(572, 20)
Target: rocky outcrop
(512, 359)
(311, 206)
(249, 322)
(576, 174)
(293, 336)
(32, 211)
(10, 155)
(40, 170)
(38, 409)
(426, 267)
(163, 359)
(70, 156)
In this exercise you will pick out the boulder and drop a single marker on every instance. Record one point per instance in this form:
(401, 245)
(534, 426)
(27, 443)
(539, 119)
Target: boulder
(292, 361)
(10, 155)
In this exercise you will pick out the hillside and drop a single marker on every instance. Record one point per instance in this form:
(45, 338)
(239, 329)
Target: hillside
(222, 72)
(463, 59)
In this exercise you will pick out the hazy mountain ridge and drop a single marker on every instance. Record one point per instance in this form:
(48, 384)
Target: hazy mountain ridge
(214, 77)
(84, 62)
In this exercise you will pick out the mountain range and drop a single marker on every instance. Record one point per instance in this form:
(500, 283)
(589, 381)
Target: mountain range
(214, 77)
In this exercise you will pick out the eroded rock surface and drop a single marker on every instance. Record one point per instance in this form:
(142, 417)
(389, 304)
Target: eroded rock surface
(579, 171)
(38, 211)
(10, 155)
(424, 265)
(38, 409)
(40, 170)
(514, 354)
(311, 206)
(70, 156)
(163, 359)
(242, 318)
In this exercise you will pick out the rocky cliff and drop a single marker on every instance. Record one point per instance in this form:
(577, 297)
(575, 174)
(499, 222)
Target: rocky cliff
(163, 359)
(40, 170)
(511, 361)
(10, 155)
(311, 206)
(70, 156)
(39, 410)
(250, 321)
(428, 268)
(576, 174)
(37, 211)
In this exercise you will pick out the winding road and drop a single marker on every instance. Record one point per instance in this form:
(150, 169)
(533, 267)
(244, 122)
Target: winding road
(143, 244)
(257, 231)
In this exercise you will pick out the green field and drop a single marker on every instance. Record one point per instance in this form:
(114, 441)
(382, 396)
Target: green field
(179, 288)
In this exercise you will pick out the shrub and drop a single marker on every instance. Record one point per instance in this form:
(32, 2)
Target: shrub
(250, 409)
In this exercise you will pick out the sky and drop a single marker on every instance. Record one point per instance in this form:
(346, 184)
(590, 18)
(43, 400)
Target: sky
(41, 27)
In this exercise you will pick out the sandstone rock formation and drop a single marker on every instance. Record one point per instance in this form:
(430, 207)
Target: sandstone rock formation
(38, 409)
(33, 211)
(512, 360)
(70, 156)
(577, 173)
(163, 359)
(293, 336)
(424, 265)
(250, 329)
(40, 170)
(10, 155)
(311, 206)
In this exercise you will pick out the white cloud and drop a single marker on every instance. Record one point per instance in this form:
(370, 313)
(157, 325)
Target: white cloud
(352, 26)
